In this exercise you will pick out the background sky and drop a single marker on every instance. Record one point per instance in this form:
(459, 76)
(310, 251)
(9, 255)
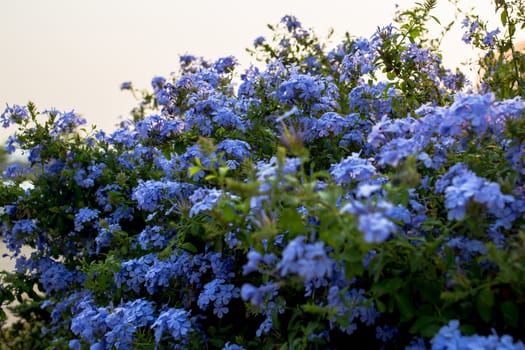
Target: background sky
(72, 54)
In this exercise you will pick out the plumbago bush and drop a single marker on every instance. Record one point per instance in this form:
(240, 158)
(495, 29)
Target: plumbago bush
(330, 196)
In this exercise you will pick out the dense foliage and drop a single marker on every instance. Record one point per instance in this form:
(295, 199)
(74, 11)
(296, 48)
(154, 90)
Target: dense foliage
(354, 195)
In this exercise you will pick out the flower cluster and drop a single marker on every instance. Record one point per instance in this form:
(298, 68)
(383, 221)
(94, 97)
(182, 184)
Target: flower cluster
(319, 203)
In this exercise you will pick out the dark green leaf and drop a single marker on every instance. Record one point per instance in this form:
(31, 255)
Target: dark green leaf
(387, 286)
(484, 304)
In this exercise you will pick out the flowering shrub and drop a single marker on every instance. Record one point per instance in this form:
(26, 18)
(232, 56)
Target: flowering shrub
(353, 194)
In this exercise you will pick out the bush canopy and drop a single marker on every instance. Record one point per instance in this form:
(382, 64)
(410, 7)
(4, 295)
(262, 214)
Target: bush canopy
(324, 197)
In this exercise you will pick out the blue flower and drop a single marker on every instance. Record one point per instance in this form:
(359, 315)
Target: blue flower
(151, 194)
(133, 272)
(84, 216)
(490, 36)
(259, 41)
(237, 148)
(159, 274)
(13, 114)
(88, 321)
(204, 199)
(301, 87)
(351, 305)
(153, 236)
(175, 322)
(158, 82)
(87, 178)
(65, 122)
(466, 187)
(126, 85)
(229, 346)
(291, 23)
(449, 337)
(103, 195)
(186, 60)
(331, 123)
(55, 276)
(226, 117)
(376, 99)
(75, 344)
(225, 64)
(219, 293)
(124, 320)
(386, 333)
(257, 295)
(352, 168)
(105, 235)
(376, 227)
(308, 260)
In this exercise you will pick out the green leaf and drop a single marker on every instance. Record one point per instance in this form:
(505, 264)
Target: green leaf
(194, 170)
(227, 212)
(189, 247)
(484, 304)
(391, 75)
(291, 221)
(427, 326)
(414, 33)
(387, 286)
(510, 313)
(406, 308)
(453, 296)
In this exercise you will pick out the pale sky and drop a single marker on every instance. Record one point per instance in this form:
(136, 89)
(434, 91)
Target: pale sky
(71, 54)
